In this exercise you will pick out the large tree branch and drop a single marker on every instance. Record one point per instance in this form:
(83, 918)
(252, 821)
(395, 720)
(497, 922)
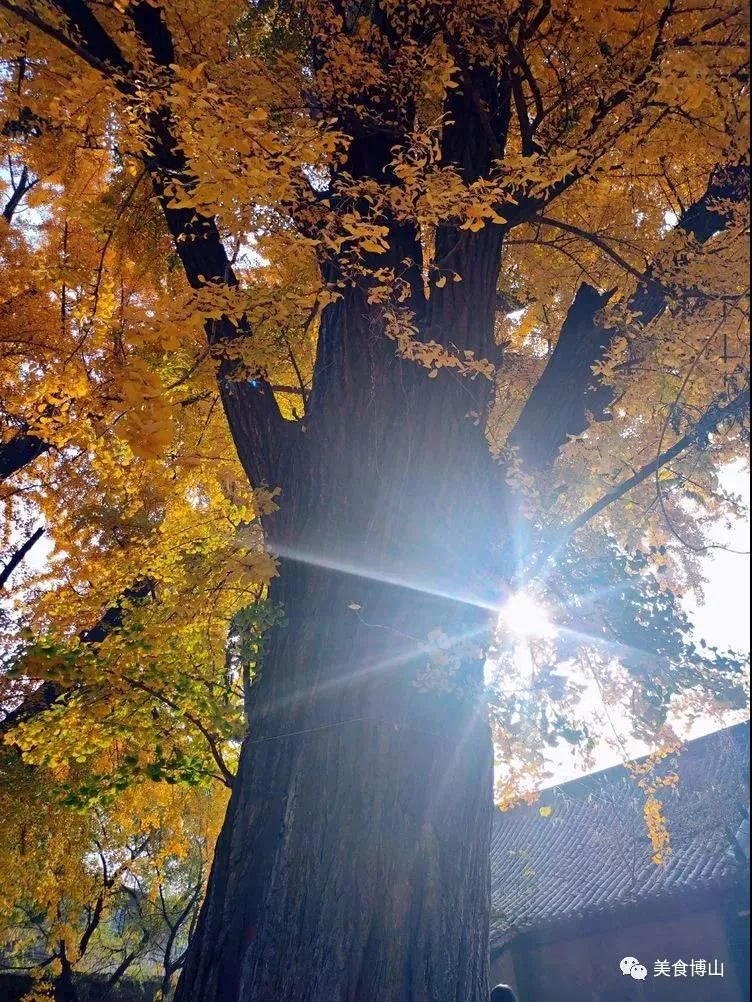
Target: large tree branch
(30, 18)
(19, 451)
(717, 414)
(24, 184)
(255, 420)
(469, 85)
(260, 432)
(568, 389)
(19, 555)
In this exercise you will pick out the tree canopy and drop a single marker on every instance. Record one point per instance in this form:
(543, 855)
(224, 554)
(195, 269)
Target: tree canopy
(472, 272)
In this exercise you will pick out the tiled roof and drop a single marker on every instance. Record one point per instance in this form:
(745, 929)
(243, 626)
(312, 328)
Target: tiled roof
(590, 854)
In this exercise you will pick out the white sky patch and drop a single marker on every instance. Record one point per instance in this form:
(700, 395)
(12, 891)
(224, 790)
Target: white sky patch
(670, 221)
(723, 619)
(524, 617)
(249, 256)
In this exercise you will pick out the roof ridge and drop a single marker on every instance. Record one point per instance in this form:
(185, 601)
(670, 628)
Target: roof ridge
(693, 747)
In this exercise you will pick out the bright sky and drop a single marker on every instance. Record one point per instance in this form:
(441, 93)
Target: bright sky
(722, 620)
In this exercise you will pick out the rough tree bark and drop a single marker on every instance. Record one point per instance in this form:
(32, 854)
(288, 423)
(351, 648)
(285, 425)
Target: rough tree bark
(354, 860)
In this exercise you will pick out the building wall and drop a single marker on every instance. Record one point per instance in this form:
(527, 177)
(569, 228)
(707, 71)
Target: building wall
(583, 966)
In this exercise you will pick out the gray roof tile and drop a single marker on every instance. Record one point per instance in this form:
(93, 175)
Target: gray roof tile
(592, 854)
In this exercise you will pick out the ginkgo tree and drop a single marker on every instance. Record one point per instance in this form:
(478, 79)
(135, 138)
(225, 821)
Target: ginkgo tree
(106, 893)
(465, 286)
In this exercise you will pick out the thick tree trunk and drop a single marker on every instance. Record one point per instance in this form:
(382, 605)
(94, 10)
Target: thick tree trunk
(353, 865)
(354, 861)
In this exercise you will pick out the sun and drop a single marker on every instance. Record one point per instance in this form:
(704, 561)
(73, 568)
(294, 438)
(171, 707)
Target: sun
(525, 618)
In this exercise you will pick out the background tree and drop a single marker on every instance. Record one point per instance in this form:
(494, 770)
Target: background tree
(468, 281)
(109, 893)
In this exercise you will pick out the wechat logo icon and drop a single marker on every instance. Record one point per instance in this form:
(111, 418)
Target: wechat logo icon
(633, 967)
